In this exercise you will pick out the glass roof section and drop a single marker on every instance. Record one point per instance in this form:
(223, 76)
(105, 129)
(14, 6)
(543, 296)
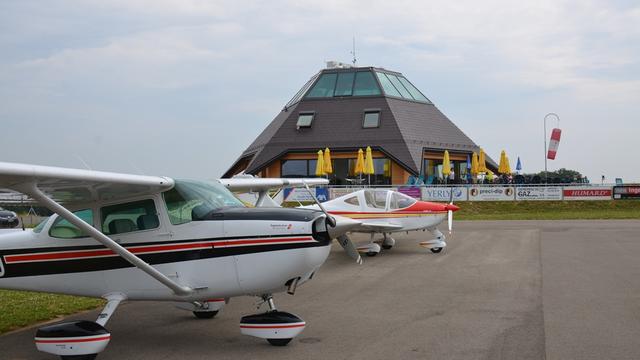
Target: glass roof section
(360, 82)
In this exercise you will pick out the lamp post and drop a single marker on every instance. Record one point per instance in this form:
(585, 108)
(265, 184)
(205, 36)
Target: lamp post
(546, 174)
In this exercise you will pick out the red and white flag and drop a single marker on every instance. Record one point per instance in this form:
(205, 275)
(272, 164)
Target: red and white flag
(553, 143)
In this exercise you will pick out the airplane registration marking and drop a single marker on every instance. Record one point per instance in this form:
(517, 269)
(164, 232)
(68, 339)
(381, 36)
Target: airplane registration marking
(150, 249)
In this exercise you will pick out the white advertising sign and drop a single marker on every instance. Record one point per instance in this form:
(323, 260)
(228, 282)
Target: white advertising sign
(538, 193)
(442, 193)
(491, 193)
(587, 193)
(337, 192)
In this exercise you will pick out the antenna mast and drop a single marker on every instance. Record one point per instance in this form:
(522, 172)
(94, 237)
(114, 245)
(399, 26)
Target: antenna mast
(353, 52)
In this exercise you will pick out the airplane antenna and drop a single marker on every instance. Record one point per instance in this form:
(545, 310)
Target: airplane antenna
(83, 162)
(353, 52)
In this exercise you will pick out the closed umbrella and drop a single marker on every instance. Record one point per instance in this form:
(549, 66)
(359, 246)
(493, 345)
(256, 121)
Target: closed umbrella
(368, 164)
(482, 164)
(502, 167)
(518, 165)
(474, 164)
(328, 168)
(489, 175)
(508, 166)
(359, 169)
(320, 164)
(446, 164)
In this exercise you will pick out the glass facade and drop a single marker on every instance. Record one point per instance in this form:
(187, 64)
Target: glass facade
(432, 172)
(343, 171)
(324, 87)
(345, 83)
(365, 84)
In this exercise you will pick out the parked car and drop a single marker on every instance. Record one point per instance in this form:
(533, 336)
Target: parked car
(8, 219)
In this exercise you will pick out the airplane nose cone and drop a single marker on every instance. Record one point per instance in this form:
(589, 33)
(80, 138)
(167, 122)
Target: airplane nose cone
(343, 226)
(452, 207)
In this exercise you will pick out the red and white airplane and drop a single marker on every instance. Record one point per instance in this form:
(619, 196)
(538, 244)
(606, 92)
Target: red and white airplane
(131, 237)
(386, 212)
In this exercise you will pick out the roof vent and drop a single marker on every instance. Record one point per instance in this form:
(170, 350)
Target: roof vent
(332, 64)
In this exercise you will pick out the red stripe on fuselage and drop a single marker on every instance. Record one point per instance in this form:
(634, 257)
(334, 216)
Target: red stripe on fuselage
(71, 255)
(72, 340)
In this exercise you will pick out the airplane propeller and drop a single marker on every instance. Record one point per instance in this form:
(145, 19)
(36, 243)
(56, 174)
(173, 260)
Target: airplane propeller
(343, 239)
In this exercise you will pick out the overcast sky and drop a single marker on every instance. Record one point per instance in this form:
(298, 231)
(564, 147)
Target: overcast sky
(182, 87)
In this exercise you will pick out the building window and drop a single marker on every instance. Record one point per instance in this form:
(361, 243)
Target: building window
(295, 168)
(388, 87)
(324, 87)
(344, 86)
(365, 84)
(371, 119)
(305, 120)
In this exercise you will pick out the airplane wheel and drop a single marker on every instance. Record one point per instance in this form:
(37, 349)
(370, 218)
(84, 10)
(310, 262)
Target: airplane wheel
(79, 357)
(436, 250)
(371, 253)
(387, 247)
(205, 314)
(279, 342)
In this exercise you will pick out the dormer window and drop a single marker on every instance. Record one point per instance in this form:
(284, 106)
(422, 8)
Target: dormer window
(305, 119)
(371, 119)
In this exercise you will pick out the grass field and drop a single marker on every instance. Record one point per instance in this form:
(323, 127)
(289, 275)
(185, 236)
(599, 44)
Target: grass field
(548, 210)
(21, 308)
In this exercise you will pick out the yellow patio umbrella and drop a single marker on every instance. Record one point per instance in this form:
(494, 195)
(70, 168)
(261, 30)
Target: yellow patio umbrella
(482, 164)
(508, 166)
(502, 167)
(474, 164)
(320, 164)
(489, 175)
(446, 164)
(368, 162)
(359, 169)
(328, 168)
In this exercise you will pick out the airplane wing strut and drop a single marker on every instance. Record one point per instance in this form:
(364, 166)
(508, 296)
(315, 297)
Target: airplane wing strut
(32, 190)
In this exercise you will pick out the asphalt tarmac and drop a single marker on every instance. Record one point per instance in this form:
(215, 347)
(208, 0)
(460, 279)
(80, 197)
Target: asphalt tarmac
(501, 290)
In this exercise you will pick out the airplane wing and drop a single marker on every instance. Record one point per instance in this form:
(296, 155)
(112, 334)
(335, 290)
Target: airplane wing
(262, 184)
(53, 186)
(69, 186)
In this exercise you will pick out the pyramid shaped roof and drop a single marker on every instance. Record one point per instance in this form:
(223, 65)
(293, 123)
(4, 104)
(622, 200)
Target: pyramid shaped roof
(337, 99)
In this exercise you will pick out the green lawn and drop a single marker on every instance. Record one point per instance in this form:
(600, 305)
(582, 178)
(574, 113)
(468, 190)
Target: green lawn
(21, 308)
(548, 210)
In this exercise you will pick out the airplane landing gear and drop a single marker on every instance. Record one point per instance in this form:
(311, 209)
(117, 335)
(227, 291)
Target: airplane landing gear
(277, 327)
(371, 249)
(436, 245)
(79, 357)
(388, 242)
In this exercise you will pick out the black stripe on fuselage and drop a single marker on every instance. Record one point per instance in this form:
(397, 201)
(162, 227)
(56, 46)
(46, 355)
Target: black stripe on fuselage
(115, 262)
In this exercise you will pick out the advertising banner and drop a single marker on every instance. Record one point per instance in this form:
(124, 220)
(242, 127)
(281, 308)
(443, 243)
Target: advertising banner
(626, 192)
(587, 193)
(302, 195)
(538, 193)
(443, 194)
(413, 191)
(491, 193)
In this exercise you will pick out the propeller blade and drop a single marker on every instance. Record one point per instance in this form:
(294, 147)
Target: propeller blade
(350, 248)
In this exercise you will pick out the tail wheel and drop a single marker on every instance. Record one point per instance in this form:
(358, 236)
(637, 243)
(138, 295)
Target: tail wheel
(205, 314)
(436, 250)
(279, 342)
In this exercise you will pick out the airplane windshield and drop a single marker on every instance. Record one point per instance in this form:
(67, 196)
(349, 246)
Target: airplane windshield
(401, 201)
(191, 200)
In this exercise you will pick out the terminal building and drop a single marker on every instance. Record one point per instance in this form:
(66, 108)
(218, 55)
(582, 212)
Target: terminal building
(346, 108)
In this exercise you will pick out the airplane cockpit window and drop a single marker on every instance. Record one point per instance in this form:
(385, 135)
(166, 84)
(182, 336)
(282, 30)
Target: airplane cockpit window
(40, 226)
(128, 217)
(63, 229)
(401, 201)
(192, 200)
(376, 198)
(353, 201)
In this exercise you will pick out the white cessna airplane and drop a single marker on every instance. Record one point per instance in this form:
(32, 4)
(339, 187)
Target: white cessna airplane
(385, 212)
(132, 237)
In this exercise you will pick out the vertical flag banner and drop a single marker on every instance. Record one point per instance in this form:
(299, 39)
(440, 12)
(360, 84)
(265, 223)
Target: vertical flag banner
(553, 143)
